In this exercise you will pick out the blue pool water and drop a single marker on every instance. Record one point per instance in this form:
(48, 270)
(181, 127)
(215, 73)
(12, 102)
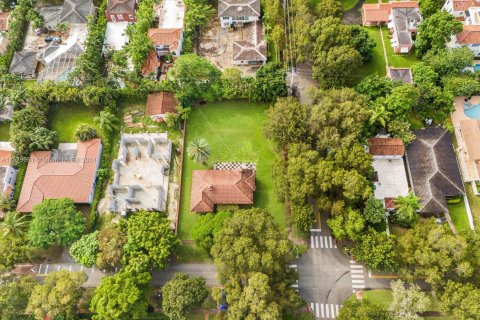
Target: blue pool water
(472, 110)
(476, 67)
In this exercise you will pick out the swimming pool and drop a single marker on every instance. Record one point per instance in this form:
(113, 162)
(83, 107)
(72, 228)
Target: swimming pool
(471, 110)
(476, 67)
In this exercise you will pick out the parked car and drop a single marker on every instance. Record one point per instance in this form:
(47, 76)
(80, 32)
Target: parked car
(50, 39)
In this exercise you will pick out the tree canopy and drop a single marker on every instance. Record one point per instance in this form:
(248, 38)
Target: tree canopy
(122, 296)
(205, 229)
(84, 250)
(150, 240)
(14, 296)
(181, 293)
(58, 296)
(55, 222)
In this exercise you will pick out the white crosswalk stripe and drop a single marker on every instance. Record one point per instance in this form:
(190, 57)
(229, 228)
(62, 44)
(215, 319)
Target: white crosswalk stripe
(325, 311)
(322, 242)
(358, 276)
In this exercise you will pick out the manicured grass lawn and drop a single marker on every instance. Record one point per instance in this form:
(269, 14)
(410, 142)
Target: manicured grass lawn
(474, 202)
(398, 60)
(348, 4)
(190, 253)
(233, 130)
(377, 65)
(4, 131)
(384, 297)
(415, 122)
(65, 118)
(458, 213)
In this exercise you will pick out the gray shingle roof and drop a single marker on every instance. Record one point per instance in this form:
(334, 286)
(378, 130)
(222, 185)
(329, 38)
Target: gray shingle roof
(77, 11)
(24, 63)
(239, 8)
(121, 6)
(434, 169)
(254, 48)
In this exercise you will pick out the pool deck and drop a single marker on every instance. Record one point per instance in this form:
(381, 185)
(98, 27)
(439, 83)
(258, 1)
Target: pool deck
(470, 171)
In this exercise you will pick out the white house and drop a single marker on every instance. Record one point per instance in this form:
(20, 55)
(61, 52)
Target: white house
(469, 14)
(8, 174)
(237, 12)
(390, 178)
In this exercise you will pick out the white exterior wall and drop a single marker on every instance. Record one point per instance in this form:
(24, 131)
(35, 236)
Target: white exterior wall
(475, 48)
(99, 160)
(9, 180)
(180, 46)
(448, 6)
(225, 22)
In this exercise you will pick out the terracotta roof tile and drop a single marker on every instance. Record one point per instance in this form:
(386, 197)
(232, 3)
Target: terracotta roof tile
(121, 6)
(4, 21)
(161, 103)
(210, 187)
(469, 35)
(47, 179)
(462, 5)
(386, 147)
(168, 37)
(151, 63)
(379, 12)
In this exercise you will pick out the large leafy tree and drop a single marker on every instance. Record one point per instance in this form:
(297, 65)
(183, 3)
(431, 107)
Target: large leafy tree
(84, 250)
(198, 14)
(449, 61)
(55, 222)
(363, 310)
(401, 100)
(377, 250)
(408, 301)
(269, 83)
(363, 43)
(110, 248)
(150, 240)
(257, 300)
(123, 296)
(337, 118)
(194, 78)
(374, 211)
(287, 122)
(181, 293)
(429, 7)
(433, 252)
(14, 296)
(14, 224)
(460, 300)
(58, 296)
(374, 87)
(205, 229)
(251, 242)
(435, 31)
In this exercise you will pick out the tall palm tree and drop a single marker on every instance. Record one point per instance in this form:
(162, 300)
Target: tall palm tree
(408, 206)
(14, 224)
(107, 121)
(199, 150)
(379, 114)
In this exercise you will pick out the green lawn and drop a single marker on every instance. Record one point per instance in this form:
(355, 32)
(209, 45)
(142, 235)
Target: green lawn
(474, 202)
(384, 297)
(64, 119)
(377, 65)
(234, 131)
(458, 213)
(398, 60)
(4, 131)
(348, 4)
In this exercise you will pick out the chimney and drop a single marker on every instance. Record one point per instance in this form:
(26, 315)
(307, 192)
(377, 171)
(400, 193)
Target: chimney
(240, 9)
(210, 187)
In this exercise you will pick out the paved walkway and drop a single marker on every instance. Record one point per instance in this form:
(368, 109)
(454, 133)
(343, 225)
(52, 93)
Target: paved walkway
(354, 15)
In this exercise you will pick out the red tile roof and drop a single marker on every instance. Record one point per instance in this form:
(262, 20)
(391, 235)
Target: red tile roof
(168, 37)
(469, 35)
(379, 12)
(4, 21)
(161, 103)
(47, 179)
(151, 63)
(462, 5)
(386, 147)
(210, 187)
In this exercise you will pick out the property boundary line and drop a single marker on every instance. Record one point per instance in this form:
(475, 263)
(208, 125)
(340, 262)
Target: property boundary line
(177, 214)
